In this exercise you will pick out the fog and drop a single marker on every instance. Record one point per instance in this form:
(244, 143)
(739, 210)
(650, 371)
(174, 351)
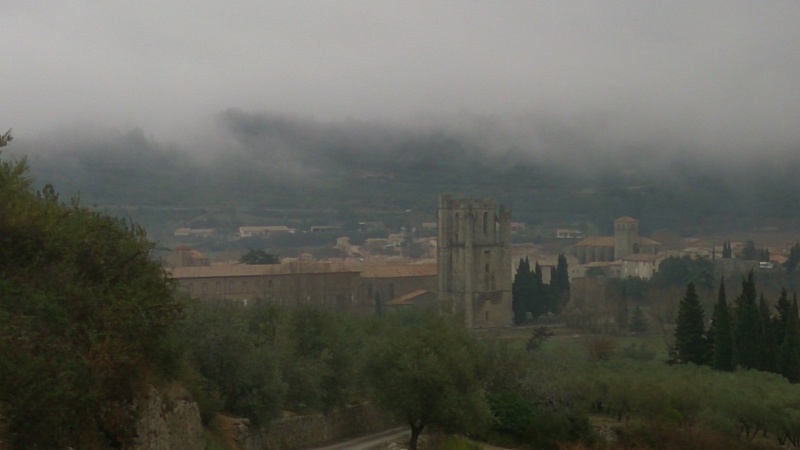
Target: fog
(713, 78)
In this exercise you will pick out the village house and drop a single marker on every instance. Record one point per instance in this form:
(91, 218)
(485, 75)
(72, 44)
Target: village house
(624, 254)
(195, 232)
(264, 231)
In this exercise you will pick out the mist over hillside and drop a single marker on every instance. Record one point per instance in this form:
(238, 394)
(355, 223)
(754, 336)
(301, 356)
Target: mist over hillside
(552, 173)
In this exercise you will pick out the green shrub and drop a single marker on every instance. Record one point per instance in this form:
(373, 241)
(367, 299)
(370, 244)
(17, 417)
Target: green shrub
(599, 347)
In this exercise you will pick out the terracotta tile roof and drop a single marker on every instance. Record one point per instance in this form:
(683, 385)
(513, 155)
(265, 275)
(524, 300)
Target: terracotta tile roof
(404, 299)
(603, 264)
(780, 259)
(399, 270)
(596, 241)
(642, 257)
(626, 219)
(244, 270)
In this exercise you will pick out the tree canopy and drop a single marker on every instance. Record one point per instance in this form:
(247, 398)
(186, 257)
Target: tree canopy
(426, 372)
(255, 256)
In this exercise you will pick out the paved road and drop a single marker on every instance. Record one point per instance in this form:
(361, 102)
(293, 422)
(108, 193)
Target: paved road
(367, 442)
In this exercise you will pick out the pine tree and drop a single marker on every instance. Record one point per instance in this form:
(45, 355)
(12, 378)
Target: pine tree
(789, 357)
(793, 259)
(770, 349)
(690, 343)
(748, 330)
(723, 340)
(638, 321)
(779, 322)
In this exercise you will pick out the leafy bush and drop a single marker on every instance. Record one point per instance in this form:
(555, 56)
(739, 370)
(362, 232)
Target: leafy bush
(599, 347)
(518, 422)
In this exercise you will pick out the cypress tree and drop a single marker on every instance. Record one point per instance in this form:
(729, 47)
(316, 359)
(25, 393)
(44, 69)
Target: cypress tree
(622, 312)
(638, 321)
(541, 297)
(779, 322)
(748, 330)
(723, 340)
(789, 357)
(793, 259)
(770, 349)
(553, 290)
(562, 278)
(521, 295)
(690, 343)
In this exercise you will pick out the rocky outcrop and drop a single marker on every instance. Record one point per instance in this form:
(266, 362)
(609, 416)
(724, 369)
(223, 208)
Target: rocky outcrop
(175, 424)
(168, 425)
(301, 431)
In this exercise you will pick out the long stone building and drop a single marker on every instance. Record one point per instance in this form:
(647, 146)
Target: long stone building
(333, 287)
(471, 278)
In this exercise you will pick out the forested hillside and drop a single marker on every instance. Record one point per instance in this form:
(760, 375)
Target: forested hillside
(294, 163)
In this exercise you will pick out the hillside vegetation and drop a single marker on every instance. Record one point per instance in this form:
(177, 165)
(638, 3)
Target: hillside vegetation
(84, 312)
(274, 161)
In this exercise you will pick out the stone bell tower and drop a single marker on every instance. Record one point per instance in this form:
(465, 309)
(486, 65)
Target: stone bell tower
(474, 261)
(626, 237)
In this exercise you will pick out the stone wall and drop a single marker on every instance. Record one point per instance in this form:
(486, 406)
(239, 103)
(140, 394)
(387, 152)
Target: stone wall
(173, 426)
(301, 431)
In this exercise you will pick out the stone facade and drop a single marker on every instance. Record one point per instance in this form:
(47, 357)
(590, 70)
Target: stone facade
(383, 284)
(332, 287)
(474, 261)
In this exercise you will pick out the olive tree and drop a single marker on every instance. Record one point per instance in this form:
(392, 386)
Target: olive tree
(427, 371)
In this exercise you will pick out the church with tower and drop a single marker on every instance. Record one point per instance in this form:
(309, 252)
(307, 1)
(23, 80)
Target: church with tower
(625, 242)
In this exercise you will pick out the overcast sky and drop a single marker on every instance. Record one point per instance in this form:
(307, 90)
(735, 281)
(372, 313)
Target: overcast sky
(716, 74)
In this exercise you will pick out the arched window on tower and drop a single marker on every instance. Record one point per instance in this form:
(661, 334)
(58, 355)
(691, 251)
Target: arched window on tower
(486, 224)
(636, 248)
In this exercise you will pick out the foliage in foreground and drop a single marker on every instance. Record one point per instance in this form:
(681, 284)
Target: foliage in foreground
(426, 372)
(84, 313)
(258, 360)
(746, 405)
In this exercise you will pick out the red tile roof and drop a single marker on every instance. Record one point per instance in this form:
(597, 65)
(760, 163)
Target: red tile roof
(399, 270)
(407, 298)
